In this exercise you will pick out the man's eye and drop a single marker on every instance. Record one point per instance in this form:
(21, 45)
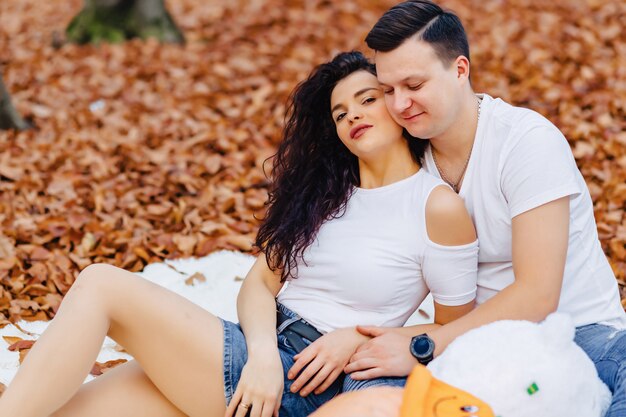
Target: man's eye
(388, 91)
(415, 87)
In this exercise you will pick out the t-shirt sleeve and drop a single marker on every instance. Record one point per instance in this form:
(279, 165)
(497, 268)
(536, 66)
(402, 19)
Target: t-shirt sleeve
(451, 272)
(538, 168)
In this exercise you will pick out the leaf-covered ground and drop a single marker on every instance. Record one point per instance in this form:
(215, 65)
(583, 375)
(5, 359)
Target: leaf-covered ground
(144, 151)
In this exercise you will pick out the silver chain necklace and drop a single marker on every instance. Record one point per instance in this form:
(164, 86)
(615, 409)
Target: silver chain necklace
(455, 184)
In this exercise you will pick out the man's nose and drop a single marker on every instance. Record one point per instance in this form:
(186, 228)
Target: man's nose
(400, 102)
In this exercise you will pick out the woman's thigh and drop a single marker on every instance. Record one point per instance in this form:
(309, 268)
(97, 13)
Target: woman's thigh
(124, 391)
(178, 344)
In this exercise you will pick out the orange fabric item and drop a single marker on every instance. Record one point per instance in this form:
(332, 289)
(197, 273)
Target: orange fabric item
(426, 396)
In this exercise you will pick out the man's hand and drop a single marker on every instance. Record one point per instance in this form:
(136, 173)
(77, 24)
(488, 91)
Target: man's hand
(387, 354)
(323, 360)
(371, 402)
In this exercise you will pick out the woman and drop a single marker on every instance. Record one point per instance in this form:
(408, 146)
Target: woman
(354, 225)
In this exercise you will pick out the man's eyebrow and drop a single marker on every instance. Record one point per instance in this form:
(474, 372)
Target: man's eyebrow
(405, 79)
(358, 93)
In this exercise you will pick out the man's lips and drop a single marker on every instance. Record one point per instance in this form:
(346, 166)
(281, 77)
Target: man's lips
(413, 117)
(357, 131)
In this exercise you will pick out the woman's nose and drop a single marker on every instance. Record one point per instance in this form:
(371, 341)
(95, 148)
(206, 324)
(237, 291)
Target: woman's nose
(354, 116)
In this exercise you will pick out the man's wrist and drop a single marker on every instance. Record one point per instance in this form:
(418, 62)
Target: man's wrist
(422, 348)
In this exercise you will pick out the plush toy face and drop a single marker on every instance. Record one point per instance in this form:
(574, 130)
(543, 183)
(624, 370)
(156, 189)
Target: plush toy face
(524, 369)
(425, 396)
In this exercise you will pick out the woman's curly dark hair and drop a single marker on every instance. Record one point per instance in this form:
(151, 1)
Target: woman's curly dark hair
(314, 174)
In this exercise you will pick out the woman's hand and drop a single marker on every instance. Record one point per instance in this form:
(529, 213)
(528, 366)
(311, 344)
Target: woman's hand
(319, 365)
(260, 387)
(387, 354)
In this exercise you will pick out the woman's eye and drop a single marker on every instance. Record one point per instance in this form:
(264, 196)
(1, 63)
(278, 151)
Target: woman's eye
(388, 91)
(415, 87)
(369, 100)
(340, 116)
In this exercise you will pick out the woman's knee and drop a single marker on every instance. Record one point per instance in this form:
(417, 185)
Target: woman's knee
(93, 281)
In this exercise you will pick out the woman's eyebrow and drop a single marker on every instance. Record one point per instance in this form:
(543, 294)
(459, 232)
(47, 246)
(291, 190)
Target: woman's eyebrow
(363, 91)
(358, 93)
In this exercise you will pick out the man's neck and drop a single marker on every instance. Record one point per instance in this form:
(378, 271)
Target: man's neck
(455, 144)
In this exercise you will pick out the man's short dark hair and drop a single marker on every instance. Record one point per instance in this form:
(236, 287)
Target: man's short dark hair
(441, 28)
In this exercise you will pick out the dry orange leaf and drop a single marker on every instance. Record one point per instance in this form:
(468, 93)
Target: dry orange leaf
(100, 368)
(195, 278)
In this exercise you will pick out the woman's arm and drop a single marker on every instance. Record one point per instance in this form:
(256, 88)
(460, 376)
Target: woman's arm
(256, 306)
(261, 385)
(449, 226)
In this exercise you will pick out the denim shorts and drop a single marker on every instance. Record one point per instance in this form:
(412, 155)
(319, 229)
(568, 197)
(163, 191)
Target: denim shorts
(292, 405)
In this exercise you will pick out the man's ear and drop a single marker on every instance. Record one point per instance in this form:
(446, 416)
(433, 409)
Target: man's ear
(462, 66)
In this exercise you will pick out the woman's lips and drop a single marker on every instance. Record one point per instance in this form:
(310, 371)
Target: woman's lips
(357, 131)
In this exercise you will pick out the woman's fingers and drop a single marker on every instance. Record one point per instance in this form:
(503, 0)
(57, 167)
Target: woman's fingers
(268, 409)
(302, 359)
(328, 381)
(260, 407)
(234, 402)
(317, 380)
(243, 408)
(307, 374)
(256, 408)
(277, 407)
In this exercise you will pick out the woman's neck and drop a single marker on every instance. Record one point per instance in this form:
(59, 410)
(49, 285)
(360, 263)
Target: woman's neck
(391, 166)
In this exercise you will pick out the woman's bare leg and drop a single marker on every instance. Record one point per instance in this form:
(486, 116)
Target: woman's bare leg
(124, 391)
(177, 344)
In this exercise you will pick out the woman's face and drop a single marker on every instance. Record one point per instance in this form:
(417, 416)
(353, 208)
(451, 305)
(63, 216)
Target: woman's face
(363, 123)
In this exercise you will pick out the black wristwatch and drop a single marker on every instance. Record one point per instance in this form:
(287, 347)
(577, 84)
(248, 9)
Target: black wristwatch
(422, 348)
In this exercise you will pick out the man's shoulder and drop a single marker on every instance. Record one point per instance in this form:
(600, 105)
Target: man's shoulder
(517, 119)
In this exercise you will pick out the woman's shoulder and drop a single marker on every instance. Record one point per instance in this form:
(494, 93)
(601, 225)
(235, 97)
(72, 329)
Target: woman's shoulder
(447, 219)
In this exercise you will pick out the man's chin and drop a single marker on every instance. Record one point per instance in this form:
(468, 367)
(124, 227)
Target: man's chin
(418, 133)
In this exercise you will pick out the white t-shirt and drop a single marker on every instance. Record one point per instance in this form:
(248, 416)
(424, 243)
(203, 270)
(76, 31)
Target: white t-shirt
(375, 264)
(520, 161)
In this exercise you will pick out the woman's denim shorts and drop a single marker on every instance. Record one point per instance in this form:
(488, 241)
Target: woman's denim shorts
(292, 405)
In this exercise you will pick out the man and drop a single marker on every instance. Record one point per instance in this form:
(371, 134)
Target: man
(539, 249)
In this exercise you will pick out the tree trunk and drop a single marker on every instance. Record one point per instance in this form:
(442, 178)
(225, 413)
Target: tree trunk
(118, 20)
(9, 117)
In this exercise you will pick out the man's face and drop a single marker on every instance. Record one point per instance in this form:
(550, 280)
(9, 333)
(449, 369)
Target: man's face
(422, 93)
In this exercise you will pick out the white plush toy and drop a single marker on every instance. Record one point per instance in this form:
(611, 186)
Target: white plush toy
(524, 369)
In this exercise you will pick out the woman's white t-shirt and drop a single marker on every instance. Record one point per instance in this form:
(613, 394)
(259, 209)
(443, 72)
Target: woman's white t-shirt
(375, 264)
(520, 161)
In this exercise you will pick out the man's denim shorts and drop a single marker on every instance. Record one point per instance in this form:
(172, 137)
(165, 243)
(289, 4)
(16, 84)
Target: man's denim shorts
(293, 405)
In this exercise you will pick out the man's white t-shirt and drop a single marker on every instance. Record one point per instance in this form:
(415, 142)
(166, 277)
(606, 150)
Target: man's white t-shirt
(520, 161)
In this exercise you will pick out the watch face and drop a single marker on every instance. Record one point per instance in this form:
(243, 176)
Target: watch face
(422, 346)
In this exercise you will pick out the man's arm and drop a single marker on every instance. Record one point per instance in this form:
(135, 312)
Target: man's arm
(540, 240)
